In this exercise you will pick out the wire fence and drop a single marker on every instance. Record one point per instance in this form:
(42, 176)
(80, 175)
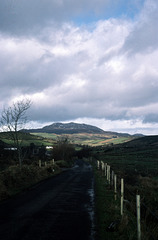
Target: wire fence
(143, 219)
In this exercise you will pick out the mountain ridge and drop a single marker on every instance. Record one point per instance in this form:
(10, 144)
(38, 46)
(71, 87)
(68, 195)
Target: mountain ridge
(69, 128)
(72, 128)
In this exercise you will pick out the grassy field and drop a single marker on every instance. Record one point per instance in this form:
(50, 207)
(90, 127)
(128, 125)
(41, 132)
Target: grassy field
(27, 139)
(137, 163)
(136, 156)
(110, 224)
(77, 139)
(87, 138)
(135, 160)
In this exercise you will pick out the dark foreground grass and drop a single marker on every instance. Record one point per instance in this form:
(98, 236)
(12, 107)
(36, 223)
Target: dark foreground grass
(14, 180)
(107, 210)
(108, 214)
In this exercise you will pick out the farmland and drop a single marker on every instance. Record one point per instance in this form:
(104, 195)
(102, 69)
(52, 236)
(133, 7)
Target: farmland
(139, 156)
(87, 138)
(131, 158)
(26, 138)
(137, 163)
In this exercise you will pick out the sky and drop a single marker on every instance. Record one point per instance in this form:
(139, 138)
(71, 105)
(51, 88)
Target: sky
(87, 61)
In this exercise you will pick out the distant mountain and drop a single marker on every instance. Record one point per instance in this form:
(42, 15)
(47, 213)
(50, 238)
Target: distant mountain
(71, 128)
(138, 135)
(68, 128)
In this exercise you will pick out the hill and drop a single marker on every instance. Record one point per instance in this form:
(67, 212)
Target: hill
(75, 128)
(67, 128)
(82, 134)
(143, 142)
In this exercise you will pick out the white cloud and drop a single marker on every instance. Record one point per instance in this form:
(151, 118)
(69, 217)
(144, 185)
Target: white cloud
(104, 70)
(143, 38)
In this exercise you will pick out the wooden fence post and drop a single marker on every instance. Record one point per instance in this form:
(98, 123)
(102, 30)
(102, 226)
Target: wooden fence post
(115, 186)
(107, 172)
(40, 163)
(138, 217)
(102, 165)
(98, 164)
(122, 195)
(109, 175)
(105, 168)
(112, 178)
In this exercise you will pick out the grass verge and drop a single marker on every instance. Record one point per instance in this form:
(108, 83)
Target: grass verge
(109, 223)
(14, 180)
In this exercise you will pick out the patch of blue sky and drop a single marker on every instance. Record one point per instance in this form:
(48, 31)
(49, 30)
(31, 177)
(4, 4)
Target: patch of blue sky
(86, 19)
(119, 9)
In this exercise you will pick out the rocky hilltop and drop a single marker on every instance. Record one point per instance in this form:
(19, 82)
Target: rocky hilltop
(68, 128)
(72, 128)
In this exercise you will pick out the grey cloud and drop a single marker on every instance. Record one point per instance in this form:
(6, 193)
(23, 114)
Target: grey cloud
(29, 17)
(139, 96)
(74, 72)
(151, 118)
(35, 76)
(144, 37)
(79, 106)
(21, 16)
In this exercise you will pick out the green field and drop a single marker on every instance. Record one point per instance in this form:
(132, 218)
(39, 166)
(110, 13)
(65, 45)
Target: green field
(139, 156)
(26, 139)
(86, 138)
(137, 163)
(134, 159)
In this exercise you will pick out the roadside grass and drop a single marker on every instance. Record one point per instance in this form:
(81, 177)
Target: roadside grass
(64, 164)
(14, 180)
(105, 209)
(109, 223)
(138, 165)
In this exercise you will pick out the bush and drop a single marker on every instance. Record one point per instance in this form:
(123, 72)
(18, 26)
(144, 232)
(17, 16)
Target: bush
(14, 179)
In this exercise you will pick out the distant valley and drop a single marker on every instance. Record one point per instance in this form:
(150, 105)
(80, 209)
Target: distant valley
(83, 134)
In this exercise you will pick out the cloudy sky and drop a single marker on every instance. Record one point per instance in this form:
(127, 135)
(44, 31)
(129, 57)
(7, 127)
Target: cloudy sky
(87, 61)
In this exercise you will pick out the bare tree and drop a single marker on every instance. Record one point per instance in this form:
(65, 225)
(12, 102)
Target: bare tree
(13, 119)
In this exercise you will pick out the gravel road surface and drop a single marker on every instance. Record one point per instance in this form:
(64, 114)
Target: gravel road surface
(58, 208)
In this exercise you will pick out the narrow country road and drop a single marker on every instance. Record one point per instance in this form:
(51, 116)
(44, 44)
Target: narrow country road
(59, 208)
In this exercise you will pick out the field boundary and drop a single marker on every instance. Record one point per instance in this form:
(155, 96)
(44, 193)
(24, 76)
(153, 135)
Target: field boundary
(131, 204)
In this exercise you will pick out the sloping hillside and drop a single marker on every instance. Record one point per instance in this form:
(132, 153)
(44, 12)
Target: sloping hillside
(72, 128)
(68, 128)
(81, 134)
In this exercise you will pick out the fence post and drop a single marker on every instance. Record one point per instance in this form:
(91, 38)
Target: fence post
(112, 178)
(40, 163)
(105, 168)
(122, 195)
(109, 175)
(138, 217)
(107, 172)
(115, 185)
(102, 166)
(98, 164)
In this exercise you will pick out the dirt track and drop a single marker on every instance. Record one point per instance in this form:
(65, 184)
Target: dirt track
(59, 208)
